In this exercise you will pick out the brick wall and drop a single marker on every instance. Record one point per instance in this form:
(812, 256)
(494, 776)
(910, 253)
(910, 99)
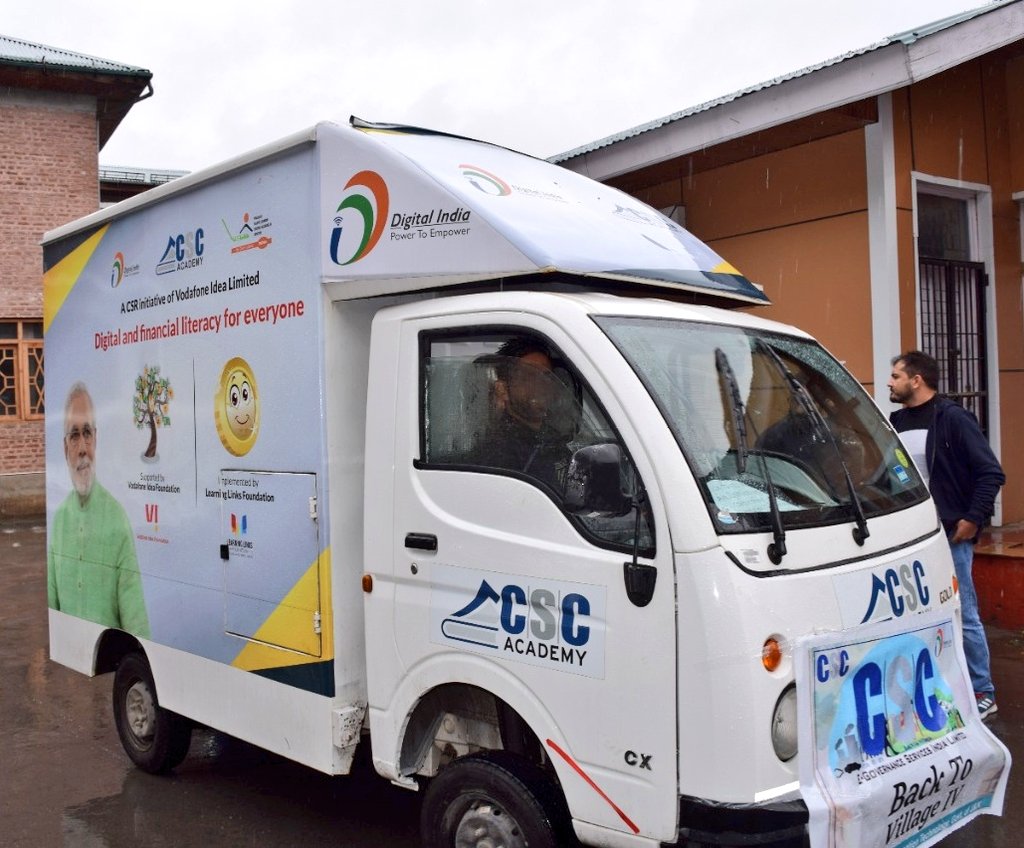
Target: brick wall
(21, 447)
(48, 176)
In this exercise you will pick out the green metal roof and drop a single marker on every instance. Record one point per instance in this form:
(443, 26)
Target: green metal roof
(15, 51)
(115, 85)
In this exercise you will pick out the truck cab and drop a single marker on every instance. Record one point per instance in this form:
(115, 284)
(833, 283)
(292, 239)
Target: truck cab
(702, 488)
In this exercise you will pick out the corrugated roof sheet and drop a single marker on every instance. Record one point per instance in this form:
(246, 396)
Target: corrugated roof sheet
(14, 51)
(148, 176)
(908, 37)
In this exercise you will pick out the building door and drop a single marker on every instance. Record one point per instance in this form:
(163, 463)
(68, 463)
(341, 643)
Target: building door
(952, 305)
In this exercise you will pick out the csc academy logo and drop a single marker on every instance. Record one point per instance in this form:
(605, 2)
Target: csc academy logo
(360, 218)
(554, 624)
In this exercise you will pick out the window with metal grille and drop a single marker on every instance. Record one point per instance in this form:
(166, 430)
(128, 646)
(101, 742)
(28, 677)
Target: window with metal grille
(21, 370)
(953, 330)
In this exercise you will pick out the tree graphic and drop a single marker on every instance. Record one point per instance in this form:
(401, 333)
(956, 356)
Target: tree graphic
(153, 395)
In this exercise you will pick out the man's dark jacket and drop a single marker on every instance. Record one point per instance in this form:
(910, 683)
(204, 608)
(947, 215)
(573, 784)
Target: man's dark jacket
(964, 475)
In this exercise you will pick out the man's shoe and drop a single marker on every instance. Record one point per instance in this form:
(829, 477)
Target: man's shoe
(986, 704)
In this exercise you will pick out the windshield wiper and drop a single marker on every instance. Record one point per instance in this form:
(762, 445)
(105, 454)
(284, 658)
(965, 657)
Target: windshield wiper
(777, 549)
(861, 531)
(732, 395)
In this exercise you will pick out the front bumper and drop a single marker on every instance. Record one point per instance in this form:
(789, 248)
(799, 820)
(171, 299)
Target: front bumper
(778, 824)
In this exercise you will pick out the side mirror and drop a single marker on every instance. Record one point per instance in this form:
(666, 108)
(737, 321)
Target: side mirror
(594, 482)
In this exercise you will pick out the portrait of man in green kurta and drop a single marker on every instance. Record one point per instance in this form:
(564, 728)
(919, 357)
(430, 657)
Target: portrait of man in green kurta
(92, 569)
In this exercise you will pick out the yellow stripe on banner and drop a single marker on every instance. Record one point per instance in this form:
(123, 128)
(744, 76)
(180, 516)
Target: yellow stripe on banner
(724, 267)
(61, 278)
(293, 615)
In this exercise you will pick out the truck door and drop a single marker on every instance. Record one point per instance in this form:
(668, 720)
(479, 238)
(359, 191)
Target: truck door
(271, 563)
(498, 584)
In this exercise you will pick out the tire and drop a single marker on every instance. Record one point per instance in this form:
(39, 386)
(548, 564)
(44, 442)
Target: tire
(155, 739)
(494, 798)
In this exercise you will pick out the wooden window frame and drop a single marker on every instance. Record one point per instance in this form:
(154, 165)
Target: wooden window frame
(26, 352)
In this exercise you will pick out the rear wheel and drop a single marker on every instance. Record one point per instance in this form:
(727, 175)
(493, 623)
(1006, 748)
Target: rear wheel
(494, 799)
(155, 739)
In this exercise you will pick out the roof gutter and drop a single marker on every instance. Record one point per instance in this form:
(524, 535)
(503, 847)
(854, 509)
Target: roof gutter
(145, 94)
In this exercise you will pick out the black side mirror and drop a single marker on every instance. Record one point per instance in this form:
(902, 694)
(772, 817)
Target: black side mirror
(594, 482)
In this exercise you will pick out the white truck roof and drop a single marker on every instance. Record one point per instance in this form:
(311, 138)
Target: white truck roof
(393, 202)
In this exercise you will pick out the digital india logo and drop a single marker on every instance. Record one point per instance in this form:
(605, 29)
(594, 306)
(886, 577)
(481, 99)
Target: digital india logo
(485, 181)
(117, 270)
(360, 218)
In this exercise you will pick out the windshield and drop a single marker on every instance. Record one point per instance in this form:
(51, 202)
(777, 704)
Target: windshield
(777, 432)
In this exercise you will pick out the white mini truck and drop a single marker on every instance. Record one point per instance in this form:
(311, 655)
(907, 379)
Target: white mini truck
(380, 436)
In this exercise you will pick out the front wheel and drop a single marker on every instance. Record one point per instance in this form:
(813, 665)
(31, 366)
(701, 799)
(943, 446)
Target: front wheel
(494, 798)
(155, 739)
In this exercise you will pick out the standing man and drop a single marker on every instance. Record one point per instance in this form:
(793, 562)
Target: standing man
(964, 478)
(92, 571)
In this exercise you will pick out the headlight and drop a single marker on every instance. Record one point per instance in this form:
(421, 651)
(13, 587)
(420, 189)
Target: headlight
(784, 737)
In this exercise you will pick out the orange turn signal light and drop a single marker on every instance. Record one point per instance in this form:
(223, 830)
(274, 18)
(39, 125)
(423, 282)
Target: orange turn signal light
(367, 583)
(771, 654)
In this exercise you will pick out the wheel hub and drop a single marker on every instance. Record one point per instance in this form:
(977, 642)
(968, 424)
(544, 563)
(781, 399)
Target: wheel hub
(485, 825)
(140, 711)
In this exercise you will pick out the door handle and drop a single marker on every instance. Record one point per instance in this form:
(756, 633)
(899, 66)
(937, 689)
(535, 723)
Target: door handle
(421, 541)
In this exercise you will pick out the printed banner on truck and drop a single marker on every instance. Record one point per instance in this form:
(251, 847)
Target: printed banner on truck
(184, 428)
(893, 753)
(416, 204)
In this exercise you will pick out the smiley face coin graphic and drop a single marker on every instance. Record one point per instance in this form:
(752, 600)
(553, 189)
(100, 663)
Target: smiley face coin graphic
(236, 407)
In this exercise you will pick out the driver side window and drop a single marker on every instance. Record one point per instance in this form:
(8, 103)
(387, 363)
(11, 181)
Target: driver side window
(506, 402)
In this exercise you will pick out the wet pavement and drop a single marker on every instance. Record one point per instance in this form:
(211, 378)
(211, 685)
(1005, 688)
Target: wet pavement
(65, 781)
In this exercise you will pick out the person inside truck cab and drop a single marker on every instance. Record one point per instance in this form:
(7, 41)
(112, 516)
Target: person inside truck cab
(510, 404)
(533, 414)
